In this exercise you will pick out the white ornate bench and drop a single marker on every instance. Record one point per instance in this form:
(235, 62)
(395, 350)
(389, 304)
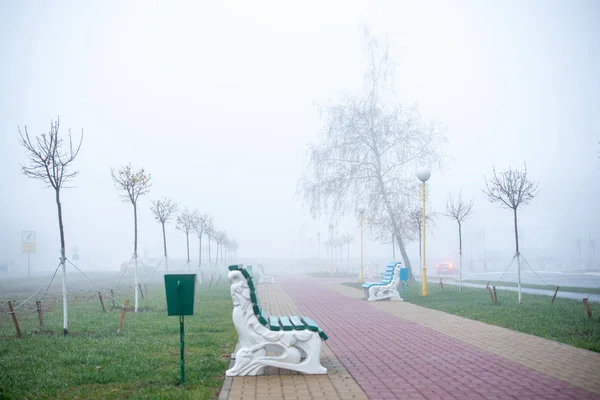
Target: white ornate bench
(295, 341)
(264, 277)
(387, 288)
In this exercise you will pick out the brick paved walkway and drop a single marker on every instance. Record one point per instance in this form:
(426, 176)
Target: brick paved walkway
(391, 350)
(392, 357)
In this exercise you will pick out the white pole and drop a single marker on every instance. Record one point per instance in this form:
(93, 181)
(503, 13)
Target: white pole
(135, 282)
(65, 312)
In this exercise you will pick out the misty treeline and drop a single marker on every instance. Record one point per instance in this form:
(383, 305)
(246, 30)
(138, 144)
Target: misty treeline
(369, 150)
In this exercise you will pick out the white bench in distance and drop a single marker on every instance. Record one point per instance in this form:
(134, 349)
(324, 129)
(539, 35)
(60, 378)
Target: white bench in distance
(295, 340)
(264, 277)
(387, 288)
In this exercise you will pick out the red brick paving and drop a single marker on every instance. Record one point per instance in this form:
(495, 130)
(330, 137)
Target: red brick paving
(392, 358)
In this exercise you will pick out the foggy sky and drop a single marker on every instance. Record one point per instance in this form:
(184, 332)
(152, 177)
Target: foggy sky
(218, 101)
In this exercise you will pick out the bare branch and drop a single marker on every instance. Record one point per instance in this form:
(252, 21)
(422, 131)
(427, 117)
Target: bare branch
(163, 209)
(511, 188)
(133, 183)
(47, 159)
(458, 208)
(187, 220)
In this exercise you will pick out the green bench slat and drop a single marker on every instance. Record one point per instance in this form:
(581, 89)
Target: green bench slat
(297, 322)
(253, 298)
(274, 324)
(263, 318)
(312, 326)
(286, 324)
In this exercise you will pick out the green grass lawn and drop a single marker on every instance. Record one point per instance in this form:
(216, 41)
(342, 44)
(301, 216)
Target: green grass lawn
(96, 362)
(575, 289)
(565, 321)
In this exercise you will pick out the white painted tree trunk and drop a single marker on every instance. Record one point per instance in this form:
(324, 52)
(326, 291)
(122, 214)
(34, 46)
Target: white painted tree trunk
(135, 281)
(519, 276)
(65, 303)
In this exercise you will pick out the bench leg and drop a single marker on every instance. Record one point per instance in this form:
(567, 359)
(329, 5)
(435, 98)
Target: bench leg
(252, 360)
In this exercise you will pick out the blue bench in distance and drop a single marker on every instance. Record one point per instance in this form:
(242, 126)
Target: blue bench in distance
(387, 288)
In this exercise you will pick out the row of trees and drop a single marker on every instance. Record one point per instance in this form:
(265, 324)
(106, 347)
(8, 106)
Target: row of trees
(135, 183)
(50, 159)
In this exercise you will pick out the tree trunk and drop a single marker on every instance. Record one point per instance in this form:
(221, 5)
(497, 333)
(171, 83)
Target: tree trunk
(187, 243)
(208, 251)
(399, 240)
(63, 260)
(518, 255)
(165, 246)
(135, 255)
(200, 251)
(460, 266)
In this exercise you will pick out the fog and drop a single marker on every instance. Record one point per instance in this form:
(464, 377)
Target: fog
(219, 101)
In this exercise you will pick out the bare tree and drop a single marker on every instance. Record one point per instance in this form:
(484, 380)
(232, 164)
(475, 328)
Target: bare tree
(134, 184)
(370, 149)
(512, 189)
(459, 210)
(186, 221)
(163, 209)
(199, 228)
(209, 230)
(50, 163)
(592, 247)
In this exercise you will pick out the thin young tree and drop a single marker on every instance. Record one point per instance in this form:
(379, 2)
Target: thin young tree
(369, 150)
(459, 210)
(134, 183)
(186, 221)
(199, 228)
(51, 163)
(209, 232)
(163, 210)
(512, 189)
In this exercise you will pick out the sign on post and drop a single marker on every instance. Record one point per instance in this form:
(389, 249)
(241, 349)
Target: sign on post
(180, 290)
(28, 241)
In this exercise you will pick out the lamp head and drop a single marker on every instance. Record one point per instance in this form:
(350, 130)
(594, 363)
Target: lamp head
(423, 174)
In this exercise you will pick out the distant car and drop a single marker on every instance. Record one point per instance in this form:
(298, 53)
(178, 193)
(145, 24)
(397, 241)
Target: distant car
(445, 268)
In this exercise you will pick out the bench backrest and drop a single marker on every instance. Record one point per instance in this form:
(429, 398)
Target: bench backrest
(259, 312)
(390, 270)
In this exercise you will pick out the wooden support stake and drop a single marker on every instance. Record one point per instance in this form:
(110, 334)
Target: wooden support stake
(489, 290)
(11, 311)
(442, 285)
(495, 296)
(101, 301)
(554, 297)
(218, 280)
(112, 297)
(141, 291)
(587, 307)
(487, 286)
(38, 305)
(210, 282)
(122, 316)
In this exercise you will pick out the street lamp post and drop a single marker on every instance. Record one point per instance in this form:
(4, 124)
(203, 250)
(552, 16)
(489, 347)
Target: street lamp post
(423, 174)
(361, 211)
